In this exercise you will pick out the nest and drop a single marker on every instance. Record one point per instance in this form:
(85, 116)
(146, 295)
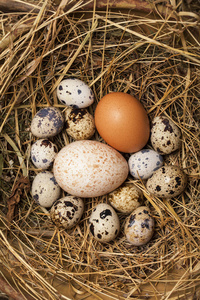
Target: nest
(151, 53)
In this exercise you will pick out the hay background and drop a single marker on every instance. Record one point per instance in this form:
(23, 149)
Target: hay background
(157, 59)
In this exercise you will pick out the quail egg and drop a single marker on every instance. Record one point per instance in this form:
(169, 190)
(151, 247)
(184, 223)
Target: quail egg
(74, 92)
(126, 198)
(165, 135)
(79, 123)
(43, 153)
(104, 223)
(167, 182)
(139, 226)
(143, 163)
(45, 189)
(47, 122)
(67, 212)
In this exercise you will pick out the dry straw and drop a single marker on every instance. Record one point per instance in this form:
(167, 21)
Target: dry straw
(152, 53)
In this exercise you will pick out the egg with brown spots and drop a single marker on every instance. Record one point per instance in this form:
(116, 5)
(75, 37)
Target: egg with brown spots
(104, 223)
(126, 198)
(67, 211)
(79, 123)
(167, 182)
(139, 226)
(165, 135)
(89, 168)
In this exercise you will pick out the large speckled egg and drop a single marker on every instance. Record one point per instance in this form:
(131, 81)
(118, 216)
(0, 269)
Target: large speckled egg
(79, 123)
(139, 226)
(167, 182)
(74, 92)
(104, 223)
(47, 122)
(43, 153)
(89, 168)
(165, 135)
(144, 163)
(126, 198)
(122, 122)
(67, 212)
(45, 189)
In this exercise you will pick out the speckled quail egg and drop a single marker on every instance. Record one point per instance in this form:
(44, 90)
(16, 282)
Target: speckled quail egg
(126, 198)
(143, 163)
(45, 190)
(74, 92)
(47, 122)
(43, 153)
(139, 226)
(79, 123)
(67, 212)
(167, 182)
(104, 223)
(165, 135)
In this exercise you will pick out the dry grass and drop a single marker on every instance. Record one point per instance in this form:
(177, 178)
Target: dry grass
(155, 58)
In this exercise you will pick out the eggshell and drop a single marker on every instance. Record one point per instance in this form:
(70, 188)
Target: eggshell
(45, 189)
(126, 198)
(144, 163)
(67, 212)
(89, 168)
(43, 153)
(122, 122)
(74, 92)
(79, 123)
(165, 135)
(47, 122)
(139, 226)
(167, 182)
(104, 223)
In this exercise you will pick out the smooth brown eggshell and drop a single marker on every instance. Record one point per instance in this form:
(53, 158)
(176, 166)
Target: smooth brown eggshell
(89, 168)
(122, 122)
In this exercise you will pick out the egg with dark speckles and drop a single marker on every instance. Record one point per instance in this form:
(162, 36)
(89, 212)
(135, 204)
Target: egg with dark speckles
(67, 212)
(139, 226)
(79, 123)
(165, 135)
(74, 92)
(167, 182)
(104, 223)
(43, 153)
(45, 189)
(126, 198)
(144, 163)
(47, 122)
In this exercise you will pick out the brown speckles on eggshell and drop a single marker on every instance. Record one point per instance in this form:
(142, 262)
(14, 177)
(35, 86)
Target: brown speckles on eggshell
(89, 168)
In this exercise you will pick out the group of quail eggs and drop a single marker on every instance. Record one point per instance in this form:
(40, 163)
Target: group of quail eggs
(146, 165)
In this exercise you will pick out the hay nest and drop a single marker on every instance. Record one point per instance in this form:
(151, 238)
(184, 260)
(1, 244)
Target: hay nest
(153, 53)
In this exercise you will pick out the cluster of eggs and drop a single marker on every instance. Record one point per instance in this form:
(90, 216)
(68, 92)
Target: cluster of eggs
(88, 168)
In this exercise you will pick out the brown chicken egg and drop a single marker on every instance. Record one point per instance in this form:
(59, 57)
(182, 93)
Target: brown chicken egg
(122, 122)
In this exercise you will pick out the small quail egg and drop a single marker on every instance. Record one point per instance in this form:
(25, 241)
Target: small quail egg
(43, 153)
(104, 223)
(47, 122)
(139, 226)
(126, 198)
(79, 123)
(67, 212)
(45, 190)
(143, 163)
(74, 92)
(167, 182)
(165, 135)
